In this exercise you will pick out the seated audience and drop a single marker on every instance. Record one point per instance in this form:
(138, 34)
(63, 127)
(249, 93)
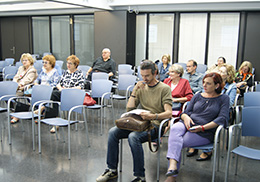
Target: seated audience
(143, 95)
(71, 78)
(214, 68)
(198, 122)
(164, 66)
(195, 78)
(49, 74)
(244, 77)
(227, 73)
(180, 87)
(103, 64)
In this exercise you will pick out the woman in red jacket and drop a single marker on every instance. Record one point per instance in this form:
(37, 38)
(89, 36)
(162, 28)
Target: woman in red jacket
(180, 87)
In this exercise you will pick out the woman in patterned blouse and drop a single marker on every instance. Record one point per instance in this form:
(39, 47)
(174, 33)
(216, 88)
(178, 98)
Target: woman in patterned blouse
(71, 78)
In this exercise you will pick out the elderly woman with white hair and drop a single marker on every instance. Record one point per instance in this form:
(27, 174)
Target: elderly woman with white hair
(180, 87)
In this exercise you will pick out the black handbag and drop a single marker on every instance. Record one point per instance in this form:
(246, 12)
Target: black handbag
(21, 107)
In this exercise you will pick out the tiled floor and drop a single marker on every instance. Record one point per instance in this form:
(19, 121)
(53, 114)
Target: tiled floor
(20, 163)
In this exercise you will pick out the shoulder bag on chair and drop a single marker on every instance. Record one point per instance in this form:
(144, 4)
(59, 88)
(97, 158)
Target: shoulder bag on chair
(89, 101)
(134, 122)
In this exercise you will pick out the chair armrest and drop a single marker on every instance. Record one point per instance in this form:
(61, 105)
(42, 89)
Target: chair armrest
(16, 97)
(160, 128)
(73, 108)
(230, 131)
(6, 97)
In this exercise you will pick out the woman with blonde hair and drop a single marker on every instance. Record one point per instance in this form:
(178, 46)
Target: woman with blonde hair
(243, 77)
(164, 66)
(25, 75)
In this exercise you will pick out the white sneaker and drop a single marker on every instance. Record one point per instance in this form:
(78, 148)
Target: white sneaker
(107, 175)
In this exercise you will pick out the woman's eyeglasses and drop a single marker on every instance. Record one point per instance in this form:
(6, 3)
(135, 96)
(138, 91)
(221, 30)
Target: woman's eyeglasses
(45, 62)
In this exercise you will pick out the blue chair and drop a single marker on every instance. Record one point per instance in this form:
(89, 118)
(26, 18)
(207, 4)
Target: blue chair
(125, 69)
(101, 89)
(99, 75)
(9, 61)
(18, 64)
(9, 72)
(8, 90)
(46, 53)
(201, 68)
(38, 66)
(250, 126)
(72, 102)
(182, 64)
(2, 65)
(139, 76)
(84, 67)
(126, 84)
(39, 93)
(60, 63)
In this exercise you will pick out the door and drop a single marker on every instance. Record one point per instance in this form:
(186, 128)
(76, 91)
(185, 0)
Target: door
(15, 37)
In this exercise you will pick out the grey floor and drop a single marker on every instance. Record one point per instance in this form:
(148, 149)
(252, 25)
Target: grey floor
(20, 163)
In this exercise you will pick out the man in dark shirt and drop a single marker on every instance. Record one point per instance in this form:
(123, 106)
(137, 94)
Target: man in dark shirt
(103, 64)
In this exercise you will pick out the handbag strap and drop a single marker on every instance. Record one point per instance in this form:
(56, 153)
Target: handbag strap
(150, 142)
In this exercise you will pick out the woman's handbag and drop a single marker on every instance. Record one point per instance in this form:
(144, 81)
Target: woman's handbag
(88, 100)
(21, 107)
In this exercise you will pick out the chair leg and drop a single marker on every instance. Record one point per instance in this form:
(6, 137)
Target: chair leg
(86, 126)
(68, 138)
(121, 155)
(158, 163)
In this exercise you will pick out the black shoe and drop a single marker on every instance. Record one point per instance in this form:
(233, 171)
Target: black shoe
(172, 172)
(204, 159)
(190, 154)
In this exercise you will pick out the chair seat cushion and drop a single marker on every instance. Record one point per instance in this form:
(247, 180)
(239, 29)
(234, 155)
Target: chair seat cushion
(23, 115)
(247, 152)
(57, 121)
(118, 97)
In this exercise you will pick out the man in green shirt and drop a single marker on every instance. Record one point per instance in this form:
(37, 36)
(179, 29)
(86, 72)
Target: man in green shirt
(151, 95)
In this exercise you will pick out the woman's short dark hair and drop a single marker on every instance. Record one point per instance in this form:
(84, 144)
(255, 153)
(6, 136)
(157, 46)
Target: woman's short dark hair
(217, 80)
(221, 57)
(147, 64)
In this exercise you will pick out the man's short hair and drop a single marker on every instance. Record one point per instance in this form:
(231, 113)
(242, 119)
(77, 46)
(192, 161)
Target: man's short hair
(194, 62)
(147, 64)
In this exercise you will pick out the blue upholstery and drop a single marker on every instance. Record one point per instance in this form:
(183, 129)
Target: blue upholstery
(250, 126)
(201, 68)
(9, 61)
(182, 64)
(71, 101)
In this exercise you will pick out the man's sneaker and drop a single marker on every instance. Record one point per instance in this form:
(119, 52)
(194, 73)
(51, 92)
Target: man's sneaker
(138, 179)
(107, 175)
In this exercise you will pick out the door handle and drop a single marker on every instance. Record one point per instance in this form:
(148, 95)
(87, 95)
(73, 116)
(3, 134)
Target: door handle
(13, 50)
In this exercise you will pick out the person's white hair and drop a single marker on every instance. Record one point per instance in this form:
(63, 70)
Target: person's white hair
(106, 49)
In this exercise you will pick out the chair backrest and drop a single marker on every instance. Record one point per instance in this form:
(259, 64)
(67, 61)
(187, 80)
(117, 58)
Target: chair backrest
(9, 72)
(257, 87)
(2, 65)
(182, 64)
(99, 75)
(201, 68)
(251, 121)
(41, 92)
(18, 64)
(9, 61)
(60, 63)
(124, 81)
(46, 53)
(83, 67)
(140, 78)
(251, 99)
(38, 66)
(100, 86)
(125, 69)
(8, 88)
(70, 98)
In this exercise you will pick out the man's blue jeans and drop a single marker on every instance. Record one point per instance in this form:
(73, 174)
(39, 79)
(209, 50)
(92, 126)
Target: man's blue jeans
(135, 140)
